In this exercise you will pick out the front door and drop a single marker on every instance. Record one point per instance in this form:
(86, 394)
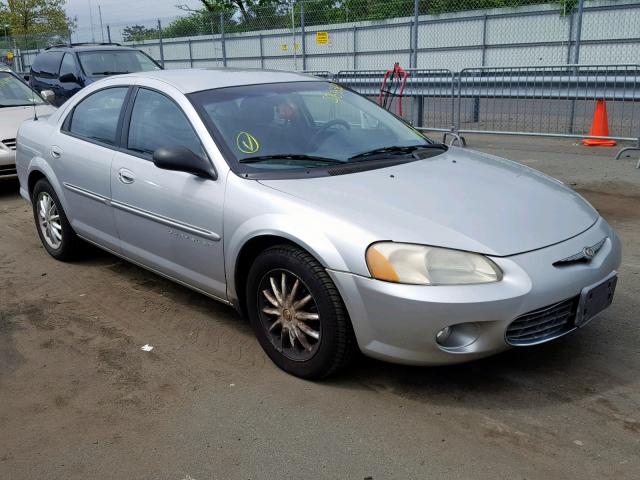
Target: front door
(169, 221)
(68, 81)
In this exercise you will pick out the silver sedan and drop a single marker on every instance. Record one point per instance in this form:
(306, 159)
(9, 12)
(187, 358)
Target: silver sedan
(327, 221)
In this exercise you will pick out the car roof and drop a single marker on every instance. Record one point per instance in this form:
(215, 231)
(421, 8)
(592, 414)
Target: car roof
(88, 47)
(198, 79)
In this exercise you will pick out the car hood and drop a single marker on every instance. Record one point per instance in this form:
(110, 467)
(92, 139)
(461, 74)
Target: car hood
(460, 199)
(12, 117)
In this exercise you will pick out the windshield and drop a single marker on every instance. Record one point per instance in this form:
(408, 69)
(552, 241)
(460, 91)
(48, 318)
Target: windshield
(301, 125)
(14, 93)
(112, 62)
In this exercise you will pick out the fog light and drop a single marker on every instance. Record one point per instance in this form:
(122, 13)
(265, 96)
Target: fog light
(457, 336)
(443, 335)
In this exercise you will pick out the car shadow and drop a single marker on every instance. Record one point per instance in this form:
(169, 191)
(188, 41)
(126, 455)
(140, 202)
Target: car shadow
(563, 371)
(9, 188)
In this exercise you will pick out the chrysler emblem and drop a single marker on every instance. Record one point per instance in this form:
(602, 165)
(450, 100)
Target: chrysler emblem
(584, 255)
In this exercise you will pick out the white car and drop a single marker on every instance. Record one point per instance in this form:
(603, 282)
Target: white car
(17, 100)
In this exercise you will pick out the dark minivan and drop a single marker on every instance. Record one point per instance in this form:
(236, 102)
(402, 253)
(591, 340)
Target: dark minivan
(65, 69)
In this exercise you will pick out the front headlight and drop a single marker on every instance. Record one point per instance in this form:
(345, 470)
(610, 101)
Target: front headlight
(423, 265)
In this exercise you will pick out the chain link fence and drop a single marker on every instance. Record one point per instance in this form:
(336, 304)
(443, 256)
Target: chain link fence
(335, 35)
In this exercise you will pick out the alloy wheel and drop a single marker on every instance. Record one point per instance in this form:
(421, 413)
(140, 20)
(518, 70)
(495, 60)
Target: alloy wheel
(49, 220)
(289, 314)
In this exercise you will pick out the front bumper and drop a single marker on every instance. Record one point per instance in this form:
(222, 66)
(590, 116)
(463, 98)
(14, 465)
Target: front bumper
(399, 323)
(7, 162)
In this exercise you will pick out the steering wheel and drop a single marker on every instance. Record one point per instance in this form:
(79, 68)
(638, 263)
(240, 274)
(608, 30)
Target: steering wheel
(323, 129)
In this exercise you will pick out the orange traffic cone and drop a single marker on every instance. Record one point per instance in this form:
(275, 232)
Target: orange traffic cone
(599, 127)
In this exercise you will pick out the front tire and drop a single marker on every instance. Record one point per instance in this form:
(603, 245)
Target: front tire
(54, 229)
(298, 314)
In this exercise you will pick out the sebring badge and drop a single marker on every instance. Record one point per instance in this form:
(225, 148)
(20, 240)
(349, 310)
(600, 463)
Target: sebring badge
(585, 255)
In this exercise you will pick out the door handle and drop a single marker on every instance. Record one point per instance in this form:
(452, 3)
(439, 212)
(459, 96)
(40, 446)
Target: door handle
(126, 176)
(56, 152)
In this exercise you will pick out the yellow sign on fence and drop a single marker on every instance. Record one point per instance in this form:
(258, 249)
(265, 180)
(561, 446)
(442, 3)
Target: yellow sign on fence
(322, 38)
(285, 47)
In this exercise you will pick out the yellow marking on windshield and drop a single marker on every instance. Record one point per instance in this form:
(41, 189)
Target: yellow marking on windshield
(335, 93)
(247, 143)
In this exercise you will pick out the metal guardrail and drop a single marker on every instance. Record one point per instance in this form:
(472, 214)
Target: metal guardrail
(428, 93)
(550, 101)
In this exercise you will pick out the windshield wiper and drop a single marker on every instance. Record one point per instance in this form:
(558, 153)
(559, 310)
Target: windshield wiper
(18, 104)
(289, 156)
(109, 73)
(394, 149)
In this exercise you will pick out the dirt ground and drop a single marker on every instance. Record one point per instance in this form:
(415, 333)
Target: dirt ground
(79, 399)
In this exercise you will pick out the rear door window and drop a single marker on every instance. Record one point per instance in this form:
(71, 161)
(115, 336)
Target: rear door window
(47, 64)
(96, 117)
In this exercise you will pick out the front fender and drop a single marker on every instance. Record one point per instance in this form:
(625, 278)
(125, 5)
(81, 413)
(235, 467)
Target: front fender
(313, 240)
(252, 210)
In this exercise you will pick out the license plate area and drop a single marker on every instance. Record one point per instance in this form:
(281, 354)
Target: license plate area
(595, 299)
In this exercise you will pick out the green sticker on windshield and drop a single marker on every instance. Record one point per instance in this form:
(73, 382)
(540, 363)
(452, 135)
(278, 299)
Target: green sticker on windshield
(247, 143)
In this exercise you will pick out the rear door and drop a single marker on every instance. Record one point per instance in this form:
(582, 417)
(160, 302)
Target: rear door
(169, 221)
(81, 154)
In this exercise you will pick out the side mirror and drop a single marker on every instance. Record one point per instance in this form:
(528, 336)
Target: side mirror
(48, 95)
(182, 159)
(68, 78)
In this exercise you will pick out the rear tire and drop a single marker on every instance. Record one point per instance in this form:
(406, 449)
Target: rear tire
(54, 229)
(298, 314)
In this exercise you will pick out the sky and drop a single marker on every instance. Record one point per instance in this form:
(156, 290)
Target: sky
(119, 13)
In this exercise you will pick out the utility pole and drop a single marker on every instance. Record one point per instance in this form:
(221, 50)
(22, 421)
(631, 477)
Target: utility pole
(293, 32)
(223, 41)
(414, 36)
(101, 27)
(576, 54)
(304, 37)
(93, 37)
(160, 43)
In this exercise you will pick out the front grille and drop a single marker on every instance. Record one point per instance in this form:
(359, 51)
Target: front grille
(10, 142)
(6, 170)
(543, 324)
